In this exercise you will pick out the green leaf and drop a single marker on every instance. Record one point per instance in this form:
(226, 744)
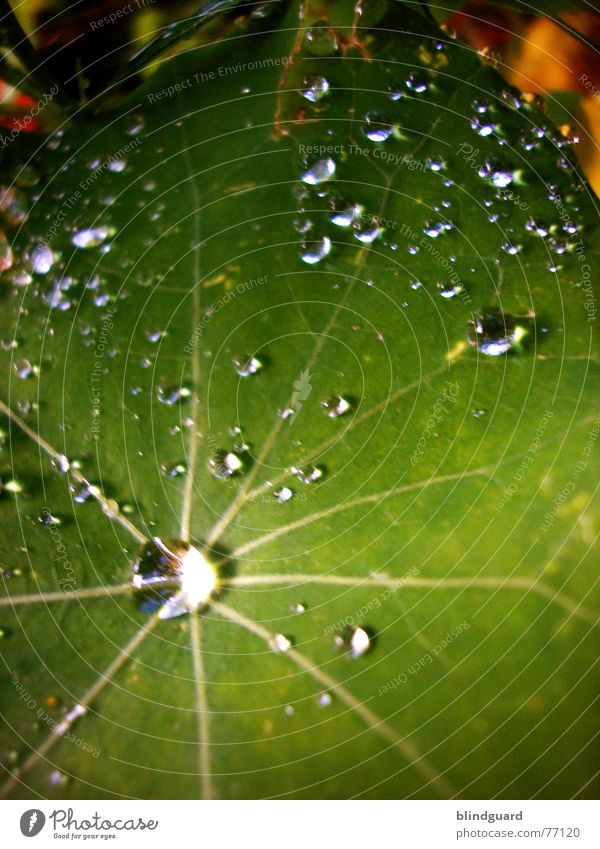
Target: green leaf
(453, 519)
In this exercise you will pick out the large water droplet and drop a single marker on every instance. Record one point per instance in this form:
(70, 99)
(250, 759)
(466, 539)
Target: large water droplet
(315, 87)
(223, 464)
(313, 252)
(492, 332)
(322, 170)
(92, 237)
(175, 577)
(320, 40)
(355, 641)
(245, 365)
(335, 406)
(376, 128)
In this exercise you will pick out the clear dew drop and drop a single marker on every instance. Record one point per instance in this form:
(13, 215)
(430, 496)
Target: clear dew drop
(492, 332)
(175, 470)
(345, 213)
(537, 227)
(280, 643)
(449, 290)
(315, 87)
(245, 365)
(320, 40)
(366, 232)
(224, 464)
(324, 700)
(284, 495)
(92, 237)
(170, 395)
(322, 170)
(335, 406)
(299, 607)
(42, 258)
(313, 252)
(376, 128)
(308, 474)
(174, 578)
(355, 641)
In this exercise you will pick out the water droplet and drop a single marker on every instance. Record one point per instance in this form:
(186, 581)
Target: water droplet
(313, 252)
(335, 406)
(539, 228)
(320, 40)
(224, 464)
(300, 607)
(376, 128)
(246, 365)
(449, 290)
(280, 643)
(322, 170)
(11, 485)
(315, 87)
(23, 368)
(47, 520)
(355, 641)
(492, 332)
(176, 578)
(117, 165)
(6, 254)
(58, 779)
(324, 700)
(92, 237)
(175, 470)
(308, 474)
(289, 710)
(284, 494)
(154, 334)
(172, 394)
(417, 82)
(366, 232)
(42, 259)
(344, 212)
(511, 248)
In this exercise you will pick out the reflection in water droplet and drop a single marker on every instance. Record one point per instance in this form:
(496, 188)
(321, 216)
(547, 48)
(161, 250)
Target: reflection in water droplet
(175, 470)
(322, 170)
(280, 643)
(172, 394)
(246, 365)
(376, 128)
(355, 641)
(345, 213)
(284, 494)
(449, 290)
(335, 406)
(92, 237)
(42, 259)
(492, 332)
(223, 464)
(308, 474)
(175, 577)
(324, 700)
(320, 40)
(313, 252)
(315, 87)
(366, 232)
